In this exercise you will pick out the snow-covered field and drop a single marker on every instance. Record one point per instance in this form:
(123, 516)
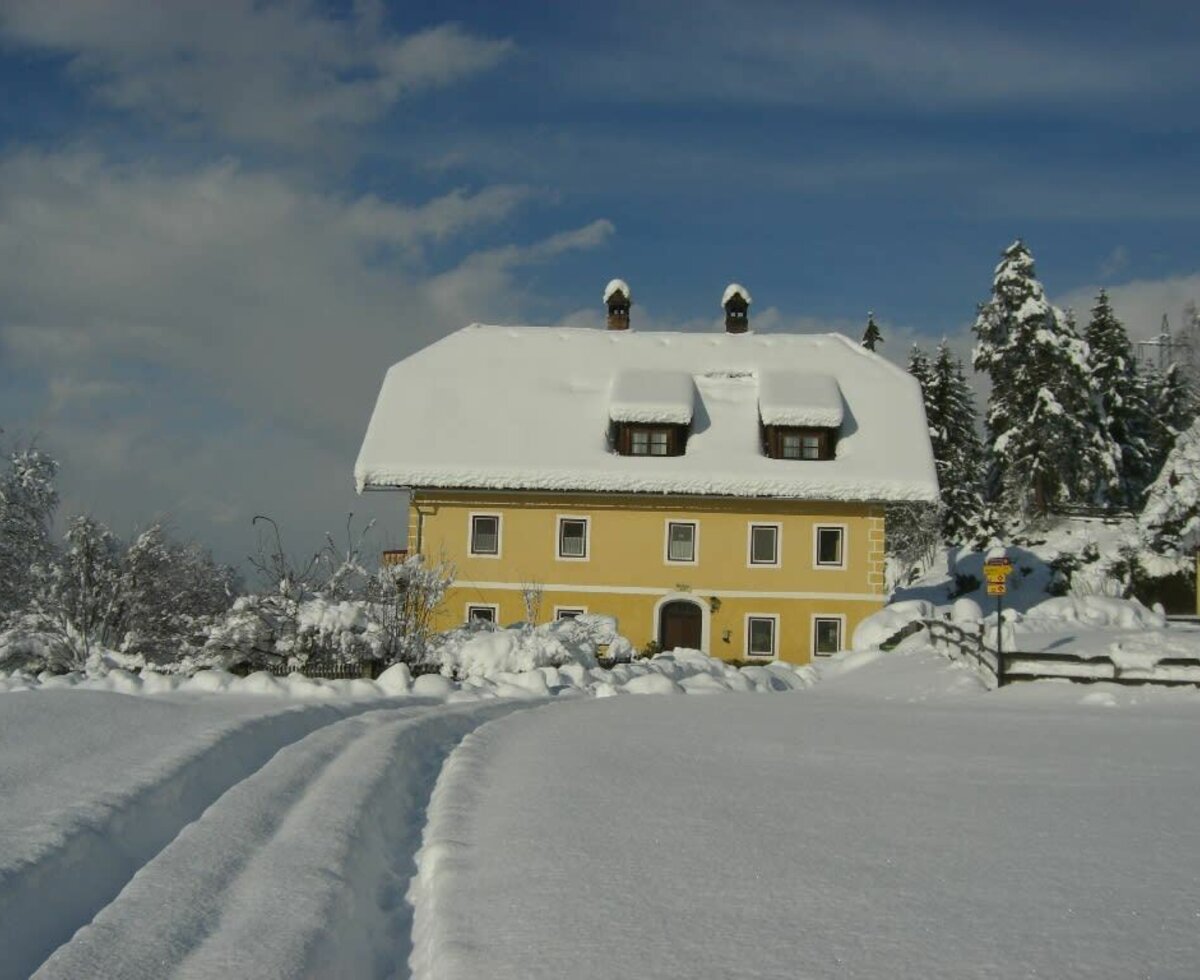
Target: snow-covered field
(894, 819)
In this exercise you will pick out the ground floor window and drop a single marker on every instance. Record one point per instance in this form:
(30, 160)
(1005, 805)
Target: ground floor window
(761, 635)
(482, 613)
(569, 612)
(827, 635)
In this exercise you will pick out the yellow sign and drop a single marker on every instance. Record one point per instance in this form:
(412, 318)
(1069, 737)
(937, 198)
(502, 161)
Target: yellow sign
(997, 588)
(997, 573)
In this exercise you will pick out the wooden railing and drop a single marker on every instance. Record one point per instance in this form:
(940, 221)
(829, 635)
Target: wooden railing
(1007, 666)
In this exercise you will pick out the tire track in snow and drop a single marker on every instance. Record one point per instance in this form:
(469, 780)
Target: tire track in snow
(45, 900)
(298, 870)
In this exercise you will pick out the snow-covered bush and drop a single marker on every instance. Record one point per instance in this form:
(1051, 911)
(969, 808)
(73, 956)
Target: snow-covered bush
(402, 600)
(154, 599)
(1170, 520)
(480, 650)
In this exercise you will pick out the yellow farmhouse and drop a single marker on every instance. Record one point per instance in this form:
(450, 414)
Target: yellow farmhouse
(722, 492)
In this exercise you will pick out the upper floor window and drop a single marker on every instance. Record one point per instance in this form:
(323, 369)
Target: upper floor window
(485, 535)
(573, 537)
(830, 547)
(764, 544)
(681, 541)
(790, 442)
(636, 439)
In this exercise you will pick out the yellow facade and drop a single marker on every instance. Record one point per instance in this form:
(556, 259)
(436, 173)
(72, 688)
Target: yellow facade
(627, 572)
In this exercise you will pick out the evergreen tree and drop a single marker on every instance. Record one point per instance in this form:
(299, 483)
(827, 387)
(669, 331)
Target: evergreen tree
(871, 336)
(1120, 456)
(1171, 519)
(1036, 432)
(28, 499)
(1171, 409)
(957, 451)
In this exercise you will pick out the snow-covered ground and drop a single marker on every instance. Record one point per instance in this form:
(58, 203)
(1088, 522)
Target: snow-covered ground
(894, 819)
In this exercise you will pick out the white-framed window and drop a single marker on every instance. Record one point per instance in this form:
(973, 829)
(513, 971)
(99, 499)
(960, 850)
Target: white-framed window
(573, 534)
(569, 612)
(683, 542)
(763, 545)
(762, 635)
(827, 632)
(829, 546)
(484, 612)
(483, 533)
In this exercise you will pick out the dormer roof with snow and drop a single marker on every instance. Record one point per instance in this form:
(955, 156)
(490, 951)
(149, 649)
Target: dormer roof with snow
(531, 408)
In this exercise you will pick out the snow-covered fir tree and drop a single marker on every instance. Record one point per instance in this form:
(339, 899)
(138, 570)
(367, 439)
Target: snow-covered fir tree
(872, 335)
(1036, 428)
(957, 450)
(28, 499)
(1171, 409)
(1170, 520)
(1120, 456)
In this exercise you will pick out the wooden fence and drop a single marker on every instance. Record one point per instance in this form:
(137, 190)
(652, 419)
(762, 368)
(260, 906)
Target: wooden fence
(1017, 665)
(337, 671)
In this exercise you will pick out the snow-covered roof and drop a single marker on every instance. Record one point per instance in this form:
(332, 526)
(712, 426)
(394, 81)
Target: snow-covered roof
(639, 395)
(617, 285)
(735, 289)
(799, 398)
(528, 408)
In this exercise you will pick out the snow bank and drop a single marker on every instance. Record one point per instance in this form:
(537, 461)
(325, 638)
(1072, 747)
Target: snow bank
(1097, 612)
(890, 620)
(551, 660)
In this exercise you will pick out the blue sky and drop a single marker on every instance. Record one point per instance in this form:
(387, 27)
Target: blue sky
(220, 221)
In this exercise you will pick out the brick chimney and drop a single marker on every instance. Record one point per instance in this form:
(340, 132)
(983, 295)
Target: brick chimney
(736, 303)
(618, 299)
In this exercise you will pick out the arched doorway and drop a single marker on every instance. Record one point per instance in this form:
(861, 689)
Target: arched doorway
(680, 624)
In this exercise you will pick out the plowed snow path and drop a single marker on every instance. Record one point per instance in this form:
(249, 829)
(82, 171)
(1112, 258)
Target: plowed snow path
(93, 785)
(298, 870)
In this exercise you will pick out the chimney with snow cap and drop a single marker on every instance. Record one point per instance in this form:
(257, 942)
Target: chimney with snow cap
(618, 299)
(736, 303)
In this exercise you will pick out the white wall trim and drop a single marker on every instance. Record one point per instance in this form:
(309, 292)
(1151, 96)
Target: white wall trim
(705, 615)
(697, 591)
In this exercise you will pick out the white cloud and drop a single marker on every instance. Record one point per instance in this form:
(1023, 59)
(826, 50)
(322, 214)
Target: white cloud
(279, 72)
(210, 342)
(1140, 303)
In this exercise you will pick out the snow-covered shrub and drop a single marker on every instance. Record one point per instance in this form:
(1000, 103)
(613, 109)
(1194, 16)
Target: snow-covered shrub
(481, 650)
(403, 600)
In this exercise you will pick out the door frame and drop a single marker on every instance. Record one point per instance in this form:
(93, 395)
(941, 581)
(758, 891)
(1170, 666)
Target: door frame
(705, 616)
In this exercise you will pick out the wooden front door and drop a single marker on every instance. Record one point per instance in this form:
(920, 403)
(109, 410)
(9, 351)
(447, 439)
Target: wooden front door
(679, 625)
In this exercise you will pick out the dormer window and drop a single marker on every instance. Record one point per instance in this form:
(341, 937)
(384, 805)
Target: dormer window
(793, 442)
(801, 414)
(634, 439)
(650, 412)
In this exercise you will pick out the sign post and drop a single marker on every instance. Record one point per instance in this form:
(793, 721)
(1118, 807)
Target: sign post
(997, 570)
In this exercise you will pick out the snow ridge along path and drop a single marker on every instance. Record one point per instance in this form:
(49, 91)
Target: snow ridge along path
(60, 864)
(298, 870)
